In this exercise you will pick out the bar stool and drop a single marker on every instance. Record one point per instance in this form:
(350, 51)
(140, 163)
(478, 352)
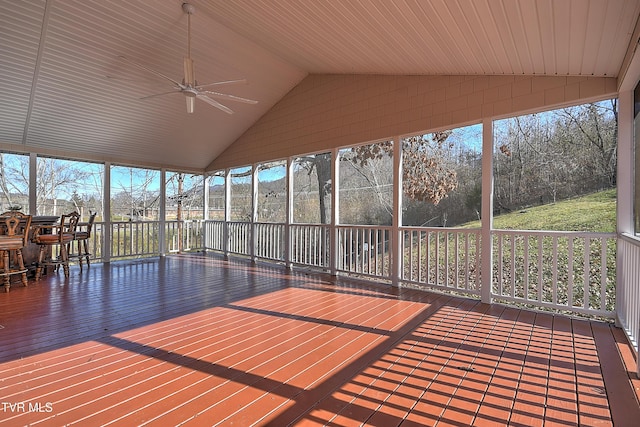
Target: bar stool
(15, 230)
(50, 236)
(82, 236)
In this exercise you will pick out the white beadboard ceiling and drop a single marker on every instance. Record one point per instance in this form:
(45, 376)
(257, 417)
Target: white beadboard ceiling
(65, 91)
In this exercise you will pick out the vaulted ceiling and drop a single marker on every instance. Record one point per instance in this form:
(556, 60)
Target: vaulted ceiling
(65, 89)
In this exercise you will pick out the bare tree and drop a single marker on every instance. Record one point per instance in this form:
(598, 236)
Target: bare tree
(14, 189)
(137, 195)
(593, 128)
(318, 166)
(549, 156)
(428, 171)
(366, 184)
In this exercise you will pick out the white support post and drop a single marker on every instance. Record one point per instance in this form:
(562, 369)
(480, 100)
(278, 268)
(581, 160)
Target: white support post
(396, 232)
(206, 181)
(254, 211)
(335, 213)
(626, 159)
(106, 203)
(486, 251)
(205, 210)
(227, 211)
(33, 171)
(162, 231)
(289, 215)
(625, 180)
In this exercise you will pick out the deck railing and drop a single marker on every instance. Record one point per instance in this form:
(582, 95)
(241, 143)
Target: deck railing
(134, 238)
(138, 239)
(310, 245)
(444, 258)
(215, 236)
(239, 238)
(573, 271)
(365, 251)
(184, 236)
(270, 241)
(628, 293)
(567, 271)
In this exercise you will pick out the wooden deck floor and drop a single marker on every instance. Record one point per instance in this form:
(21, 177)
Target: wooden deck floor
(199, 340)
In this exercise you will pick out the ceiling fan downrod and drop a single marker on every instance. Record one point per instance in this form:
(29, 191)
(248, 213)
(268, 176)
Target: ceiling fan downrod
(189, 9)
(189, 73)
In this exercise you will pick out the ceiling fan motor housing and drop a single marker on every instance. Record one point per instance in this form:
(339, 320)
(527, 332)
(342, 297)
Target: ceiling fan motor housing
(190, 92)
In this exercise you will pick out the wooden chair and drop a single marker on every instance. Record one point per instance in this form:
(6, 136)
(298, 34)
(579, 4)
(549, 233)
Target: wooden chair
(82, 236)
(14, 227)
(50, 236)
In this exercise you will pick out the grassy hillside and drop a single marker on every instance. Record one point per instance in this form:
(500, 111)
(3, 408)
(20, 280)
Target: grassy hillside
(594, 212)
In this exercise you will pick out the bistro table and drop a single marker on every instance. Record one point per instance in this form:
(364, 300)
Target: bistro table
(31, 251)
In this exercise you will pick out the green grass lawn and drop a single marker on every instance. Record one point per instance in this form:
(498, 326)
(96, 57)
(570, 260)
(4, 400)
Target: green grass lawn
(594, 212)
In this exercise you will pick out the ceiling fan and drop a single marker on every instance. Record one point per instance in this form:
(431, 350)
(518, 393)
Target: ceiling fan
(189, 86)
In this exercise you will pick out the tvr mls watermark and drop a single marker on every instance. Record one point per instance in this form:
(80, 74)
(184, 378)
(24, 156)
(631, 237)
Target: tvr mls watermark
(22, 407)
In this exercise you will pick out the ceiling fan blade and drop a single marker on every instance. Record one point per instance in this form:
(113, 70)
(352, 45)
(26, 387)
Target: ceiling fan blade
(214, 103)
(161, 94)
(135, 64)
(226, 82)
(230, 97)
(189, 74)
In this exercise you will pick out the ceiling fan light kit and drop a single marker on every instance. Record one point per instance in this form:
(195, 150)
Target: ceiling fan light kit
(189, 86)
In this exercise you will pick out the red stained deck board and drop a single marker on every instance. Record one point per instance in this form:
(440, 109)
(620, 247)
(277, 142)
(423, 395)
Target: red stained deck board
(623, 403)
(198, 339)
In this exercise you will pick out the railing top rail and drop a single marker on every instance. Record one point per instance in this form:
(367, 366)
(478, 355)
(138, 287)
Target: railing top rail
(411, 228)
(365, 227)
(133, 222)
(309, 224)
(634, 240)
(556, 233)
